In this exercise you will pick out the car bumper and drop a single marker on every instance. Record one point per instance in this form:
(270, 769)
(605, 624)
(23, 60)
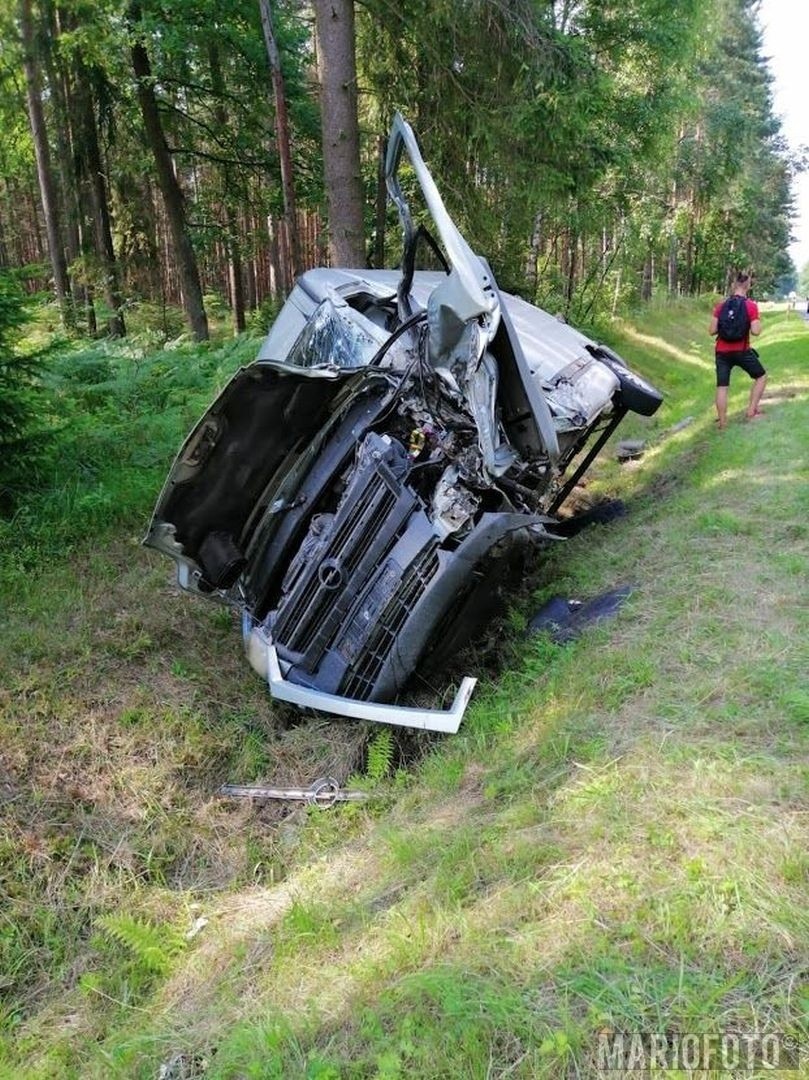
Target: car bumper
(264, 659)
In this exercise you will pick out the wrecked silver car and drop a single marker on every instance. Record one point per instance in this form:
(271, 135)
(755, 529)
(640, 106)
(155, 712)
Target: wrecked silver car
(400, 436)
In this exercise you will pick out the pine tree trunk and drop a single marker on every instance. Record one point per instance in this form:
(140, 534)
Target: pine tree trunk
(273, 258)
(673, 275)
(535, 248)
(68, 173)
(47, 190)
(282, 135)
(341, 141)
(38, 248)
(570, 277)
(173, 198)
(151, 231)
(647, 278)
(248, 230)
(99, 203)
(232, 250)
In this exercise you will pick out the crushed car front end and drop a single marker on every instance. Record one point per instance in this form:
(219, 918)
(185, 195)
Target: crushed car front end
(356, 491)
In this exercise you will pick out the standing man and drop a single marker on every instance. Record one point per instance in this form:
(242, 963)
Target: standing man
(734, 320)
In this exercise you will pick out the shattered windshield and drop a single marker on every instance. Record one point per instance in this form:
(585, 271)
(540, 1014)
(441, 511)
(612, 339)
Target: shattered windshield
(332, 338)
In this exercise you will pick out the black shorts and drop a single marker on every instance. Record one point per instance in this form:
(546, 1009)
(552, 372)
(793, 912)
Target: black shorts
(746, 359)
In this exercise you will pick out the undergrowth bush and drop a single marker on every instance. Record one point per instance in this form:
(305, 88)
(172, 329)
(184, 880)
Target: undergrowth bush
(20, 395)
(111, 417)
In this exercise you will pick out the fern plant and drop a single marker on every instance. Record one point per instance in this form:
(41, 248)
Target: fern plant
(153, 947)
(380, 756)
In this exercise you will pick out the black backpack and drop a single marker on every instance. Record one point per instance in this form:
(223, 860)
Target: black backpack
(733, 323)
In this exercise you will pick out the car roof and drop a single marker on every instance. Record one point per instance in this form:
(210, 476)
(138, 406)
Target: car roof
(549, 343)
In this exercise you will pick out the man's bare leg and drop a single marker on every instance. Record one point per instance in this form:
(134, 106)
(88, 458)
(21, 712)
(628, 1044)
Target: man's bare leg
(722, 406)
(756, 390)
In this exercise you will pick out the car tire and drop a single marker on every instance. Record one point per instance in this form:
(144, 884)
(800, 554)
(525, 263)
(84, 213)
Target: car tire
(636, 394)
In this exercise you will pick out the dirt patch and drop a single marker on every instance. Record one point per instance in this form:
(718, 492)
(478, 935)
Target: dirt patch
(667, 482)
(784, 393)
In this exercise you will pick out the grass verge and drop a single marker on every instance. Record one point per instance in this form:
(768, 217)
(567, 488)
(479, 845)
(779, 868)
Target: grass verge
(616, 839)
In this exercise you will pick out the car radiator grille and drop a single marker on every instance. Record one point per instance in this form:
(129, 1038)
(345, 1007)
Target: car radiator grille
(361, 677)
(307, 605)
(360, 578)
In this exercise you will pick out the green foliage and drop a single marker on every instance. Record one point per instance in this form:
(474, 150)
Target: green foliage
(265, 314)
(594, 153)
(20, 399)
(116, 416)
(154, 948)
(379, 755)
(438, 1018)
(734, 156)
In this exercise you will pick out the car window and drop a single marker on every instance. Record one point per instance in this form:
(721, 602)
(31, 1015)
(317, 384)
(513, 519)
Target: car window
(333, 338)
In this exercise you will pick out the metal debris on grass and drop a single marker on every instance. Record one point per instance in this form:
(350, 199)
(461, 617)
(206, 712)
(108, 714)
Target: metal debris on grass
(323, 793)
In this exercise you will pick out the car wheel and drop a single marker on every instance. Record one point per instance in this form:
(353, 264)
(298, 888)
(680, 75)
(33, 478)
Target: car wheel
(636, 393)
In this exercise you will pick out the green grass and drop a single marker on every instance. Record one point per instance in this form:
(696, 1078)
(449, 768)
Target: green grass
(616, 839)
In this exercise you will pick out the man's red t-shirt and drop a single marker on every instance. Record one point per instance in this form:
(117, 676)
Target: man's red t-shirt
(736, 346)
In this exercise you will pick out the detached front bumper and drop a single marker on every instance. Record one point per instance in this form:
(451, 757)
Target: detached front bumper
(264, 659)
